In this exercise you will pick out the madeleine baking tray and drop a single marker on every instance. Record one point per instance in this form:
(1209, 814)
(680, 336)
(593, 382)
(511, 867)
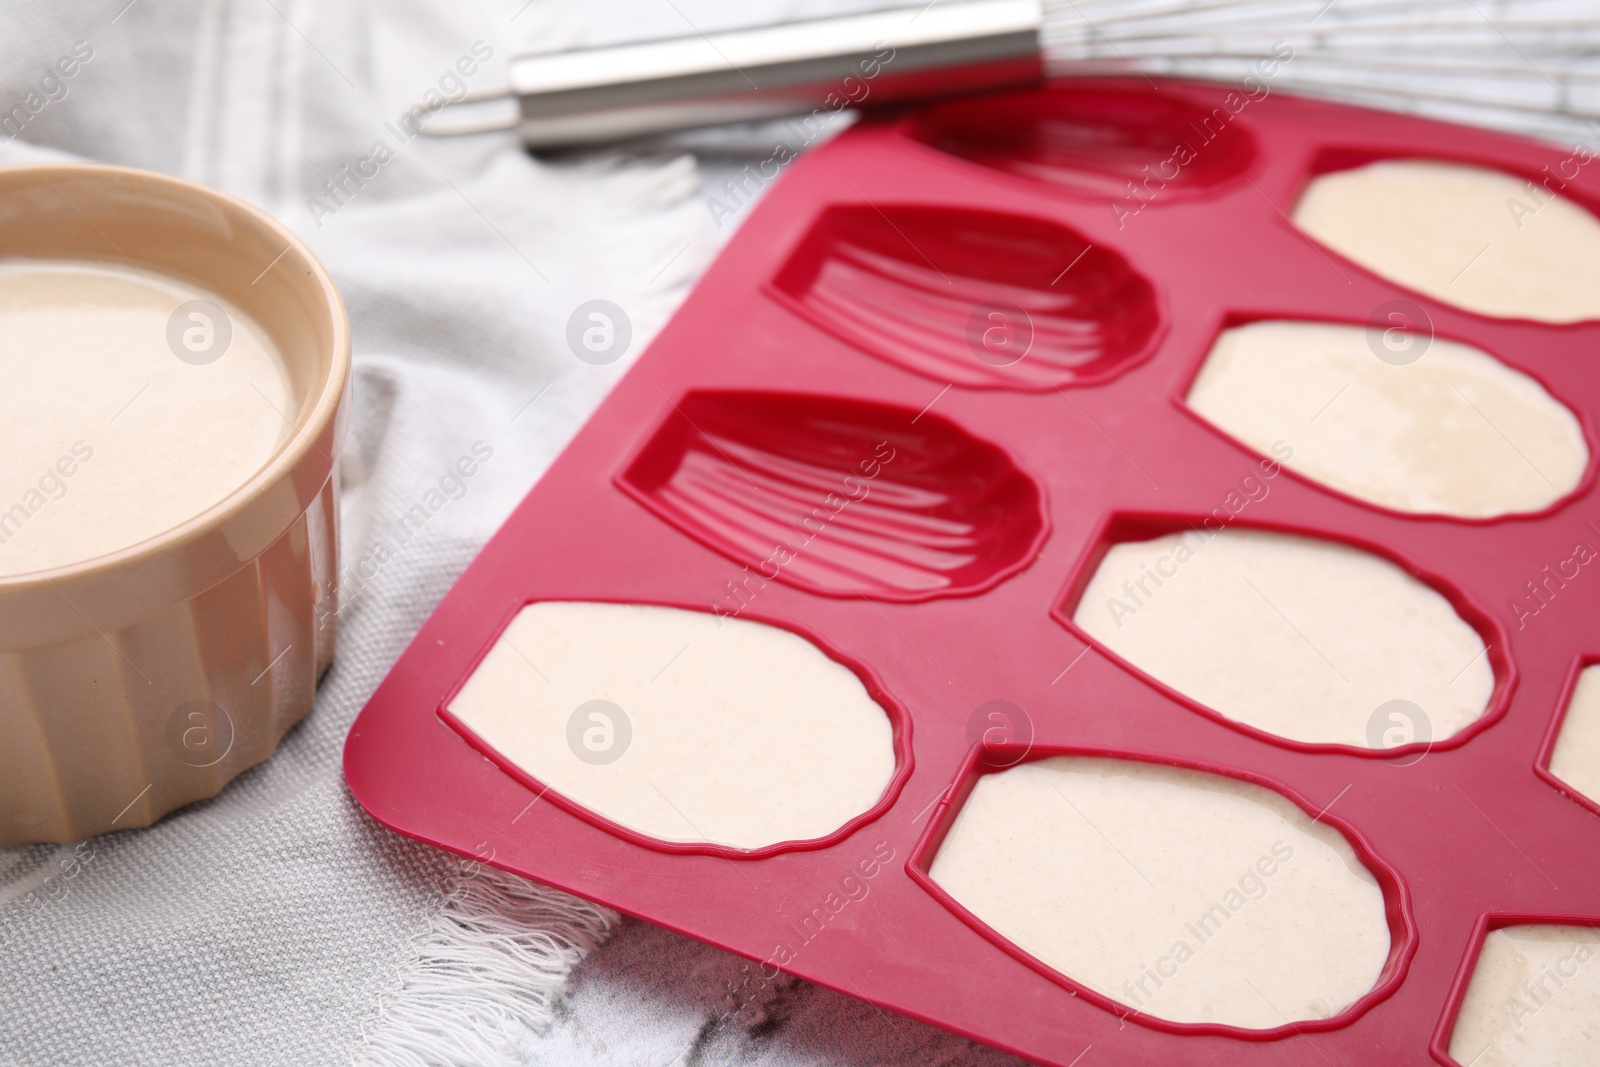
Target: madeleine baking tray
(841, 316)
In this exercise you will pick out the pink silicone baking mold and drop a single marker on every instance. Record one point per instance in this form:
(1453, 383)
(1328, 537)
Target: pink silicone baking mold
(974, 287)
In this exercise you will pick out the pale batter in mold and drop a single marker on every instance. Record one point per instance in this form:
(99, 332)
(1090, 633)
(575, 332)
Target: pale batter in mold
(1533, 1001)
(736, 733)
(1299, 637)
(1475, 238)
(110, 438)
(1183, 895)
(1576, 756)
(1456, 432)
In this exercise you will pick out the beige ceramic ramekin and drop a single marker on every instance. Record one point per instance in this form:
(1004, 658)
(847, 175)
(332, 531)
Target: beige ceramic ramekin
(146, 679)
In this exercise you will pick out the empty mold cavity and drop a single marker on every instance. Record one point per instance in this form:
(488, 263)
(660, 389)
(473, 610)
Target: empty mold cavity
(1096, 138)
(1475, 238)
(1443, 428)
(839, 497)
(977, 298)
(1184, 895)
(679, 725)
(1302, 638)
(1575, 758)
(1533, 1000)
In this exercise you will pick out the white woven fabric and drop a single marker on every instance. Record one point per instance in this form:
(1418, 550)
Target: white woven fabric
(278, 924)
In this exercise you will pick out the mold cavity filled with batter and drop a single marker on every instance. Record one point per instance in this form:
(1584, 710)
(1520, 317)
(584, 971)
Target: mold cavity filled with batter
(1533, 1001)
(681, 725)
(1475, 238)
(1576, 756)
(1186, 896)
(1307, 639)
(1400, 420)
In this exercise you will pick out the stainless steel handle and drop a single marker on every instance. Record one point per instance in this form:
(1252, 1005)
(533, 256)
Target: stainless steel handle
(595, 95)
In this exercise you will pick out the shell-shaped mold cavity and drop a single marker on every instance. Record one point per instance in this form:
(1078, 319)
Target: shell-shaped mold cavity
(1311, 640)
(679, 725)
(1097, 138)
(1472, 237)
(1503, 1024)
(1396, 418)
(977, 298)
(839, 497)
(1183, 895)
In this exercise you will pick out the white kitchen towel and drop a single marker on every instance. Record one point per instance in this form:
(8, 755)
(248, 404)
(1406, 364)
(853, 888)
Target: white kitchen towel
(277, 924)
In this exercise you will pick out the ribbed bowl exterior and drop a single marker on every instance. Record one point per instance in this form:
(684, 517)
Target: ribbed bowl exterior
(114, 729)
